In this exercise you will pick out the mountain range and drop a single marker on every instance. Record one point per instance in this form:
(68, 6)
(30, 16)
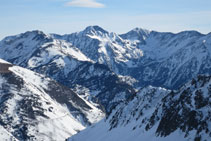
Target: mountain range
(140, 82)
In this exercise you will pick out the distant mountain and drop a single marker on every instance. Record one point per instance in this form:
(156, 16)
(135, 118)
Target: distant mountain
(67, 65)
(34, 107)
(153, 58)
(158, 114)
(33, 49)
(137, 34)
(105, 48)
(170, 60)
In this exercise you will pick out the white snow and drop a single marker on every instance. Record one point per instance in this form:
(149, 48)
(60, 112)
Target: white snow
(129, 126)
(2, 81)
(4, 62)
(5, 135)
(100, 132)
(58, 128)
(61, 124)
(124, 131)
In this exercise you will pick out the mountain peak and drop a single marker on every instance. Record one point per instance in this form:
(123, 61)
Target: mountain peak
(140, 30)
(30, 37)
(95, 28)
(37, 33)
(136, 34)
(190, 33)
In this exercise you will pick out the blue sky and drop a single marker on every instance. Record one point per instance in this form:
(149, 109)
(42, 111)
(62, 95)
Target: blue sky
(67, 16)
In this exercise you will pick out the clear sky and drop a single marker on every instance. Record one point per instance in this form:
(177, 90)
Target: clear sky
(67, 16)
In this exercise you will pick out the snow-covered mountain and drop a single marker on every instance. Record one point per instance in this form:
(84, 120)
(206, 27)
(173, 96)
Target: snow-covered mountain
(34, 107)
(67, 65)
(34, 48)
(94, 70)
(158, 114)
(153, 58)
(170, 60)
(104, 47)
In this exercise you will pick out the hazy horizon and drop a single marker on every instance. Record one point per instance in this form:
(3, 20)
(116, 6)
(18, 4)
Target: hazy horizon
(101, 27)
(119, 16)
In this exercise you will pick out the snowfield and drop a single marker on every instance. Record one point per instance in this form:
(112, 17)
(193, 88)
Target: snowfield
(157, 114)
(31, 112)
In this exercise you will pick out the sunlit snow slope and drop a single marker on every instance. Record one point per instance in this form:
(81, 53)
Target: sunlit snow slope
(34, 107)
(157, 114)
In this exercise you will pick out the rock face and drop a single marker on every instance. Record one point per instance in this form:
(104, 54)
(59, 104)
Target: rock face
(4, 66)
(34, 107)
(188, 110)
(158, 114)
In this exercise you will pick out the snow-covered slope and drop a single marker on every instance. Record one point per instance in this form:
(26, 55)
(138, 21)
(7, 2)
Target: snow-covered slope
(158, 114)
(137, 35)
(67, 65)
(6, 136)
(33, 49)
(170, 60)
(98, 81)
(104, 47)
(4, 62)
(34, 107)
(153, 58)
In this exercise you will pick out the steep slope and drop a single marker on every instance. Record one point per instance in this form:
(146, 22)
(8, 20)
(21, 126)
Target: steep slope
(158, 114)
(34, 107)
(6, 136)
(34, 48)
(67, 65)
(190, 110)
(104, 47)
(137, 35)
(99, 82)
(170, 60)
(153, 58)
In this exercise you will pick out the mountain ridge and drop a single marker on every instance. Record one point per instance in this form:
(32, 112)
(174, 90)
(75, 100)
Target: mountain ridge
(34, 107)
(158, 114)
(106, 71)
